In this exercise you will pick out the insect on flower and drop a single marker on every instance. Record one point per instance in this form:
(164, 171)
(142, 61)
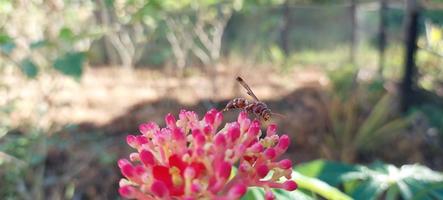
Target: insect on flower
(257, 107)
(193, 158)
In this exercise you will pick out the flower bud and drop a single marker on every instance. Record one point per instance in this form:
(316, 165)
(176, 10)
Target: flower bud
(159, 189)
(148, 128)
(283, 143)
(262, 170)
(127, 192)
(220, 141)
(237, 191)
(233, 132)
(131, 140)
(270, 153)
(147, 158)
(269, 195)
(285, 164)
(271, 130)
(224, 170)
(290, 185)
(170, 121)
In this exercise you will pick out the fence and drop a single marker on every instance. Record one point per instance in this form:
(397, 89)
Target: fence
(377, 35)
(371, 35)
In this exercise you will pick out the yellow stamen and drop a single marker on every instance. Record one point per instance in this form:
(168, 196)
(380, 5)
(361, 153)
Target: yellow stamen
(177, 180)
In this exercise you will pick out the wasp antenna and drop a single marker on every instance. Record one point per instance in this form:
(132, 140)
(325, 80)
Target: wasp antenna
(239, 79)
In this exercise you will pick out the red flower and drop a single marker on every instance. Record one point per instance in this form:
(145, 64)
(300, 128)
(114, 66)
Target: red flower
(189, 159)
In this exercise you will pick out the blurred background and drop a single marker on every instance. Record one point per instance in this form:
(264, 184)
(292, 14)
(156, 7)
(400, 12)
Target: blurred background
(360, 83)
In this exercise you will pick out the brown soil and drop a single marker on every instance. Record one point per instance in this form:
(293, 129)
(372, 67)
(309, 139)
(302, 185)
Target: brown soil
(107, 104)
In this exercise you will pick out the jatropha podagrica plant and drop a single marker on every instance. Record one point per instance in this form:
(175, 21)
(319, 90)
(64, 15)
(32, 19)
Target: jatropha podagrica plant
(191, 159)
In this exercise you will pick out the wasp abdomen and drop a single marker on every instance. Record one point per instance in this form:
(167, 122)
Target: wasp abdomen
(237, 103)
(259, 109)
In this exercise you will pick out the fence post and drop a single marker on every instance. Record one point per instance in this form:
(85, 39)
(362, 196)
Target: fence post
(411, 34)
(382, 36)
(352, 48)
(284, 34)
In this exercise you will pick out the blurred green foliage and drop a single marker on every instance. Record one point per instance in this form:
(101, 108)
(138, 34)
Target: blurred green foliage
(37, 36)
(135, 33)
(16, 154)
(434, 115)
(378, 180)
(361, 115)
(308, 188)
(70, 64)
(321, 179)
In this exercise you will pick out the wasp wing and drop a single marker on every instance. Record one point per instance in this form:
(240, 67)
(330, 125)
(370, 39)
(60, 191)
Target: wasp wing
(279, 115)
(248, 89)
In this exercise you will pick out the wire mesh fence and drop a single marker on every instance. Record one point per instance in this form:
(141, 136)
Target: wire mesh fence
(322, 35)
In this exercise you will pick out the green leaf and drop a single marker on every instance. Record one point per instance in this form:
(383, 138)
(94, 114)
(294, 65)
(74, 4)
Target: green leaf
(328, 171)
(4, 38)
(257, 193)
(29, 68)
(39, 44)
(369, 189)
(7, 44)
(431, 191)
(66, 34)
(377, 118)
(405, 191)
(109, 3)
(319, 187)
(296, 194)
(386, 132)
(70, 64)
(7, 48)
(421, 173)
(392, 193)
(254, 193)
(299, 195)
(407, 181)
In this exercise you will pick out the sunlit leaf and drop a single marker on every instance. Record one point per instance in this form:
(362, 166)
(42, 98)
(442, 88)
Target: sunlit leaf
(4, 38)
(7, 44)
(405, 191)
(238, 4)
(296, 194)
(66, 34)
(254, 193)
(392, 193)
(299, 195)
(318, 187)
(328, 171)
(277, 53)
(6, 6)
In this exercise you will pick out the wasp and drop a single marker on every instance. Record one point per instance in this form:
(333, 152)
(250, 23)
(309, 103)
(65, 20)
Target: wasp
(256, 107)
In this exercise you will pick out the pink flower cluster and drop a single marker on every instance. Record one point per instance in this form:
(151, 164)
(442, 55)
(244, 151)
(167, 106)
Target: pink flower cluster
(189, 159)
